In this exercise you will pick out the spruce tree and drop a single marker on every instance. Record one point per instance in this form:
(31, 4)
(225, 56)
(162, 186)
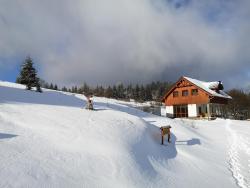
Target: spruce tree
(108, 92)
(136, 93)
(64, 88)
(120, 91)
(142, 94)
(115, 92)
(51, 86)
(129, 91)
(148, 93)
(85, 89)
(101, 91)
(28, 75)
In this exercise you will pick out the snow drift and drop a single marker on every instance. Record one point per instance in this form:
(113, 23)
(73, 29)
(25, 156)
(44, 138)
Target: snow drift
(49, 140)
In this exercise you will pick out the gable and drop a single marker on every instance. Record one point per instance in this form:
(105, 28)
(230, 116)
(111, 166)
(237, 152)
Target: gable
(182, 93)
(182, 83)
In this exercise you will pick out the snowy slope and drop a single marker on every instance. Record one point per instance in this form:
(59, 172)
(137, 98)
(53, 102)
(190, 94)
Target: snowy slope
(49, 140)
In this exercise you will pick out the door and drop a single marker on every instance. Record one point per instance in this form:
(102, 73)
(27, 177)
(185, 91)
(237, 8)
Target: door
(180, 111)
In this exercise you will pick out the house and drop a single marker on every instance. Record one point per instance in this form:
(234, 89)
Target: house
(193, 98)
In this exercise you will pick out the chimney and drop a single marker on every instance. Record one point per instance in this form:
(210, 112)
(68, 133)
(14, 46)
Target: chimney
(220, 86)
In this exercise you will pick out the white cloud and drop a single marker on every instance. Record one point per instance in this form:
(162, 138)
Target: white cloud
(127, 40)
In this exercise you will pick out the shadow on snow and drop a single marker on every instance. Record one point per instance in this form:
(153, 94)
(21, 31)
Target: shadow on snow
(149, 150)
(193, 141)
(6, 136)
(15, 95)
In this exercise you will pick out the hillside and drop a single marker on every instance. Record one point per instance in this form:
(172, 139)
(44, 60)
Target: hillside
(49, 140)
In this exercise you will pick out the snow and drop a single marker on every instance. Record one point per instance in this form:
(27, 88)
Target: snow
(239, 153)
(207, 87)
(49, 140)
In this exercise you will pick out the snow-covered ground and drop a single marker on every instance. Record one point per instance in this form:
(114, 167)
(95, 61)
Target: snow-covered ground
(49, 140)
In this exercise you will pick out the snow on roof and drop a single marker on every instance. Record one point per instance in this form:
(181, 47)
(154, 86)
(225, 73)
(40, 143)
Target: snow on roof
(207, 86)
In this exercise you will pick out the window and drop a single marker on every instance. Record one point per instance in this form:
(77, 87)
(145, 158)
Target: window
(175, 94)
(194, 91)
(185, 93)
(180, 111)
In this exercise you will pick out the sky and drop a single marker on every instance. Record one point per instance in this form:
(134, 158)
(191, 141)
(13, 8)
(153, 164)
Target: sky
(129, 41)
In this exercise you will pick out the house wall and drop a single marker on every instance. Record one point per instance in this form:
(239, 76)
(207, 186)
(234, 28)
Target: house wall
(201, 98)
(202, 110)
(192, 110)
(169, 111)
(163, 111)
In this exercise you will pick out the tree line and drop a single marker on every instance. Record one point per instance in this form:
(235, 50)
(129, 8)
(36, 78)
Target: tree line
(153, 91)
(147, 92)
(238, 107)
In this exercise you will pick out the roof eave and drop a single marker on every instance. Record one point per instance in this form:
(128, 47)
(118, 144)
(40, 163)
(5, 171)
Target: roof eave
(172, 87)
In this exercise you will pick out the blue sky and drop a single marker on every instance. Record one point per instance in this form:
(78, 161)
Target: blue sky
(9, 75)
(12, 70)
(127, 41)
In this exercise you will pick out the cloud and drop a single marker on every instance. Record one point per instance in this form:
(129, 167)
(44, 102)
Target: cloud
(129, 40)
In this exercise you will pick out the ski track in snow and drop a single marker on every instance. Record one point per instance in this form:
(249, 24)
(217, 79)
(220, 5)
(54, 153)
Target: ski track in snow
(238, 144)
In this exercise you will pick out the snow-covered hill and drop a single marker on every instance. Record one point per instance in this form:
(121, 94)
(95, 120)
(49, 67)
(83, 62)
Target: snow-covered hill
(49, 140)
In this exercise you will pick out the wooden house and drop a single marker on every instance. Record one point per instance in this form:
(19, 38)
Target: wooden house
(193, 98)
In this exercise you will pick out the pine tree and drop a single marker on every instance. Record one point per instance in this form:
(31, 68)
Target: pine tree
(115, 92)
(46, 85)
(98, 91)
(108, 92)
(28, 75)
(136, 93)
(51, 86)
(37, 85)
(129, 91)
(142, 94)
(120, 91)
(64, 89)
(101, 91)
(84, 89)
(148, 93)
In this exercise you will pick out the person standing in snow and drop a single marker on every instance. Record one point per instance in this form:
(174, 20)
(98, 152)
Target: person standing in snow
(90, 103)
